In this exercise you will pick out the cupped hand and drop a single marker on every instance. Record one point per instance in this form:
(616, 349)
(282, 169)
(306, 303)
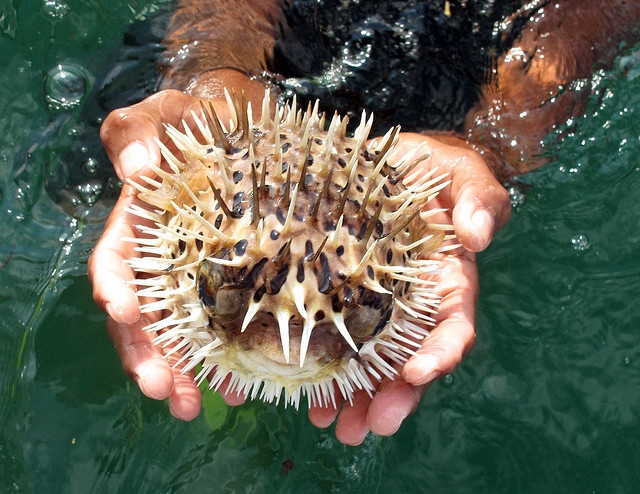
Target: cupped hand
(129, 136)
(478, 207)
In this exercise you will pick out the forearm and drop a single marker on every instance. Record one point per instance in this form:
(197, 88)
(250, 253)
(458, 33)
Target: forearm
(209, 35)
(543, 80)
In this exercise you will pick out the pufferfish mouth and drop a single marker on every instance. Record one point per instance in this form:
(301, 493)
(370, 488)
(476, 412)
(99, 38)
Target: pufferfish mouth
(230, 297)
(262, 335)
(289, 258)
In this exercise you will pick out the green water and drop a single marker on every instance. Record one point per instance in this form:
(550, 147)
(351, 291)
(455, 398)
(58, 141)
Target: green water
(549, 401)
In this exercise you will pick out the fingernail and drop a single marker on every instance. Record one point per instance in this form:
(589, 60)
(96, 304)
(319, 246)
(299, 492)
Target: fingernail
(432, 376)
(133, 159)
(483, 223)
(154, 378)
(422, 369)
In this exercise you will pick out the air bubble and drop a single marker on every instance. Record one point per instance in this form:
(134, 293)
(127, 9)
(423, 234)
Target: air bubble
(517, 196)
(447, 379)
(91, 166)
(89, 193)
(64, 87)
(580, 243)
(56, 9)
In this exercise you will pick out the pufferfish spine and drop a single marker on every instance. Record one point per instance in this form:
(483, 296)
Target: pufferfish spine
(287, 258)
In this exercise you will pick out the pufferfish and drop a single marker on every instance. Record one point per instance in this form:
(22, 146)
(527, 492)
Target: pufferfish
(288, 257)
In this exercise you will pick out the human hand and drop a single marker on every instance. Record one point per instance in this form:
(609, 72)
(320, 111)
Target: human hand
(479, 206)
(128, 136)
(129, 139)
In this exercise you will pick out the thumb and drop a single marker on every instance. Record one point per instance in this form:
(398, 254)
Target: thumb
(481, 207)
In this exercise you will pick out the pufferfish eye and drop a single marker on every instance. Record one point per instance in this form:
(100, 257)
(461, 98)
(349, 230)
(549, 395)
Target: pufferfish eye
(369, 315)
(219, 291)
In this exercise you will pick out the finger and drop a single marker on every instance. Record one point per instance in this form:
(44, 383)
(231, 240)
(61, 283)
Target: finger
(185, 399)
(232, 396)
(129, 134)
(108, 272)
(324, 416)
(394, 401)
(140, 359)
(351, 427)
(454, 334)
(480, 204)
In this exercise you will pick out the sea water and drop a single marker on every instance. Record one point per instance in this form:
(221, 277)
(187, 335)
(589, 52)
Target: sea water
(548, 401)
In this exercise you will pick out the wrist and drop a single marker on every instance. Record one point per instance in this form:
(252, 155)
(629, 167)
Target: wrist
(211, 86)
(498, 164)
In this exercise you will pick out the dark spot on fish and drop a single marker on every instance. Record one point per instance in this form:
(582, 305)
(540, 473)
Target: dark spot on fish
(342, 162)
(259, 293)
(329, 225)
(278, 280)
(285, 147)
(249, 280)
(370, 273)
(274, 235)
(308, 249)
(340, 250)
(238, 210)
(300, 273)
(324, 276)
(347, 296)
(240, 247)
(319, 316)
(336, 304)
(237, 176)
(218, 221)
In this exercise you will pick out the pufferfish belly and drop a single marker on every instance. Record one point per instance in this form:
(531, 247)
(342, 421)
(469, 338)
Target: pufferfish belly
(286, 256)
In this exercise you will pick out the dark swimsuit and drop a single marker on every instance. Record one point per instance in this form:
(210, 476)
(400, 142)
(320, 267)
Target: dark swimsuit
(416, 63)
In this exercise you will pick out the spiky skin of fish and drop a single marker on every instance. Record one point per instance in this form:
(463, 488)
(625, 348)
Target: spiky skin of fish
(289, 259)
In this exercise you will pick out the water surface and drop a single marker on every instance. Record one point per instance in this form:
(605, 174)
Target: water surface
(547, 402)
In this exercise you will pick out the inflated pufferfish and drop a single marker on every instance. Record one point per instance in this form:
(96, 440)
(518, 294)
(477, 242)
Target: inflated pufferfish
(289, 258)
